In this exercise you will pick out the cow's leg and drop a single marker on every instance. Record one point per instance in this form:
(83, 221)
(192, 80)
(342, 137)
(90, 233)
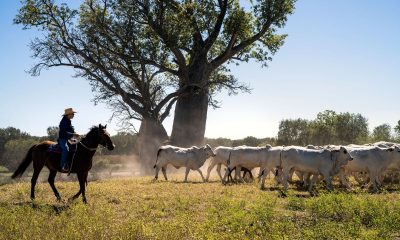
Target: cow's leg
(226, 176)
(219, 170)
(186, 173)
(328, 182)
(157, 170)
(164, 171)
(312, 182)
(51, 178)
(264, 173)
(285, 176)
(238, 170)
(343, 180)
(300, 176)
(374, 180)
(201, 174)
(210, 167)
(261, 174)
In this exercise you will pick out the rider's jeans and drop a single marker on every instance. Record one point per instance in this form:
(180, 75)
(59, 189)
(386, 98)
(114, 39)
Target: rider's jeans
(64, 150)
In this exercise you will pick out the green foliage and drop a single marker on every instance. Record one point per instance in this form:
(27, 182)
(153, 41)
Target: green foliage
(125, 144)
(15, 150)
(294, 132)
(328, 128)
(382, 133)
(248, 141)
(52, 133)
(10, 133)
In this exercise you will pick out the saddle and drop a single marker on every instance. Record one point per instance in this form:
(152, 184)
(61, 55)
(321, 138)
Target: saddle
(55, 148)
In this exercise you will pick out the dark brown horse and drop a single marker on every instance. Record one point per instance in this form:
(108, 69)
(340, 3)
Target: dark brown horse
(81, 162)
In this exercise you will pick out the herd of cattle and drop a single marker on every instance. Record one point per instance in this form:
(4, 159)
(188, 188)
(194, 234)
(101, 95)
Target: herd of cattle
(308, 163)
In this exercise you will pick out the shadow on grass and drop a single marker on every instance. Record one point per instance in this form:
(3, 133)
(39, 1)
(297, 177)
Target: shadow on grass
(56, 208)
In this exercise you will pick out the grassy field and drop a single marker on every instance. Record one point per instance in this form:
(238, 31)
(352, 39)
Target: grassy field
(137, 208)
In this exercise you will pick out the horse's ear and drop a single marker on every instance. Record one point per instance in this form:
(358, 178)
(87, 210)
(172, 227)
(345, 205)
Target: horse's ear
(105, 126)
(100, 126)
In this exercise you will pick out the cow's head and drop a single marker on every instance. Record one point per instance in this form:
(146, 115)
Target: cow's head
(208, 151)
(340, 157)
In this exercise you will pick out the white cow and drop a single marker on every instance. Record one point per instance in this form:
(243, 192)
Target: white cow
(373, 160)
(221, 158)
(266, 158)
(191, 158)
(317, 162)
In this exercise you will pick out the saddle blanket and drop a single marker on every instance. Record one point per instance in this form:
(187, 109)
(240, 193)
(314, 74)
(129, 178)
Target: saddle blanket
(54, 148)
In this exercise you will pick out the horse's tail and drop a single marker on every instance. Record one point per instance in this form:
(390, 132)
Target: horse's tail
(158, 153)
(24, 164)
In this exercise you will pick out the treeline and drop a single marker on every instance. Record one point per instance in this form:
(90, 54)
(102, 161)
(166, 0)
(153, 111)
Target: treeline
(328, 127)
(15, 143)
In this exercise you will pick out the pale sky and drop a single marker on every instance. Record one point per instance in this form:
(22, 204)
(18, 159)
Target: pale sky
(340, 55)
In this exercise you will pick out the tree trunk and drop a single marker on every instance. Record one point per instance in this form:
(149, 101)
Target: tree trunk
(190, 120)
(152, 135)
(191, 109)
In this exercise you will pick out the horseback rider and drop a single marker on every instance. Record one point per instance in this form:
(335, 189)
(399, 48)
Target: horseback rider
(66, 132)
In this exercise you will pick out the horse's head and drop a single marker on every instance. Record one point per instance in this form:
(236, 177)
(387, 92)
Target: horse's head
(103, 138)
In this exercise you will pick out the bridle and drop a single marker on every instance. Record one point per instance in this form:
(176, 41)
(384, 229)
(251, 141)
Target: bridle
(88, 148)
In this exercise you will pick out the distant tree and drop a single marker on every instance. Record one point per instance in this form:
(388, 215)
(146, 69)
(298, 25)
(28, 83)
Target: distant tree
(52, 133)
(351, 128)
(397, 131)
(125, 143)
(15, 150)
(10, 133)
(215, 142)
(382, 133)
(294, 131)
(322, 129)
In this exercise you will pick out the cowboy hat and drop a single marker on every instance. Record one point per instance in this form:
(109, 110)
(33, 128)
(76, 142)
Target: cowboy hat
(68, 111)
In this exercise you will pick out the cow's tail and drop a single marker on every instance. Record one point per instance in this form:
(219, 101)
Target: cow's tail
(24, 164)
(158, 153)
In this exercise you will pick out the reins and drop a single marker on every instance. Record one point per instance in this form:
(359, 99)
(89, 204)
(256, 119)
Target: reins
(76, 150)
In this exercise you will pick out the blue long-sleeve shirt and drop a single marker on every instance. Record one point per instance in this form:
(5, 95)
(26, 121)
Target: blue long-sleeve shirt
(66, 129)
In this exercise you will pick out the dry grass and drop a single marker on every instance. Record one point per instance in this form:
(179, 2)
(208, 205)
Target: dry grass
(137, 208)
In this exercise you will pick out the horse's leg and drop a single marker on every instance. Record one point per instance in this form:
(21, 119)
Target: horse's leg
(82, 176)
(51, 178)
(37, 167)
(75, 196)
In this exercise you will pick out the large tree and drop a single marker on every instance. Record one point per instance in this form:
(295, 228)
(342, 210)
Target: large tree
(126, 48)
